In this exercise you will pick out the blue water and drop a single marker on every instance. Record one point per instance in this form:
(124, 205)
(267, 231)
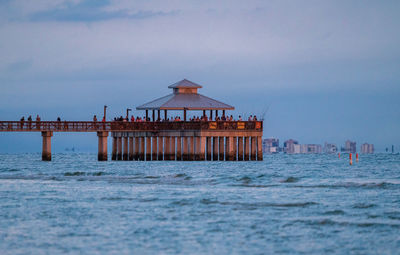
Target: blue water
(287, 204)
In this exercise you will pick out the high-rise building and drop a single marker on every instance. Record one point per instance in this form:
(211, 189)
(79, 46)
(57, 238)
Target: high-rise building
(311, 148)
(271, 145)
(349, 147)
(330, 148)
(367, 148)
(288, 146)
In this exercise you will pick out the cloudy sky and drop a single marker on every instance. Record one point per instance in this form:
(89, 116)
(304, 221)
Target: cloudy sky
(316, 70)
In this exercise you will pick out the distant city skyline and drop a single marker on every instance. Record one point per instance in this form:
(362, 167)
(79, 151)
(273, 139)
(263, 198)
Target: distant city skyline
(316, 70)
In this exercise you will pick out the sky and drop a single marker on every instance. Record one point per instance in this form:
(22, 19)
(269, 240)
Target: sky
(315, 71)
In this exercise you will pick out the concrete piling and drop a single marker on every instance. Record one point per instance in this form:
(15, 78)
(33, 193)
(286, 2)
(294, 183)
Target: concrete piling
(131, 147)
(148, 148)
(160, 148)
(246, 148)
(253, 148)
(125, 155)
(46, 145)
(172, 148)
(215, 148)
(178, 148)
(119, 148)
(142, 152)
(259, 149)
(208, 146)
(240, 148)
(185, 152)
(114, 148)
(221, 148)
(137, 146)
(102, 146)
(154, 147)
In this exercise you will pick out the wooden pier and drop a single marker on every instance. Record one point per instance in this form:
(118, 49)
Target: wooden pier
(156, 139)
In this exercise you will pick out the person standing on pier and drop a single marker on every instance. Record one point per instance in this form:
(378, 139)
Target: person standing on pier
(37, 122)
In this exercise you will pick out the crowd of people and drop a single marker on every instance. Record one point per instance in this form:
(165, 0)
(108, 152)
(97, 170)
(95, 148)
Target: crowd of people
(177, 118)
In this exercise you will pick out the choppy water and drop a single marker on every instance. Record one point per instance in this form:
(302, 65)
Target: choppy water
(302, 204)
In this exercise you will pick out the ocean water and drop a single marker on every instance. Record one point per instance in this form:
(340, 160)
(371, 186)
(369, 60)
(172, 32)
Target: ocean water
(286, 204)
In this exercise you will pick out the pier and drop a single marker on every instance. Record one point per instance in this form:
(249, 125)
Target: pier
(157, 139)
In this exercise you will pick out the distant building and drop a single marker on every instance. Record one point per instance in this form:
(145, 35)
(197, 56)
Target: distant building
(367, 148)
(330, 148)
(311, 148)
(288, 146)
(349, 147)
(271, 145)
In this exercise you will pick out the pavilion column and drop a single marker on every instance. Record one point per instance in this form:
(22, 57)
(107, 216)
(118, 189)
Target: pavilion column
(148, 148)
(172, 148)
(246, 148)
(131, 154)
(46, 145)
(154, 148)
(125, 153)
(165, 115)
(141, 153)
(158, 113)
(259, 148)
(119, 147)
(114, 147)
(184, 114)
(235, 141)
(167, 147)
(253, 148)
(147, 115)
(229, 148)
(185, 154)
(221, 148)
(178, 148)
(160, 148)
(137, 148)
(240, 148)
(192, 148)
(211, 116)
(215, 148)
(208, 145)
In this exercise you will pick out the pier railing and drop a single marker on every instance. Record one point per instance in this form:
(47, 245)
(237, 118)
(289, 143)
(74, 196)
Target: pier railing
(91, 126)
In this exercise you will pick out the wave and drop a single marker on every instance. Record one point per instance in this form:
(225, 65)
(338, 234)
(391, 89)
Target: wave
(245, 205)
(384, 184)
(330, 222)
(290, 180)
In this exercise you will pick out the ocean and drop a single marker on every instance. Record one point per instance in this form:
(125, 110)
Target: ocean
(286, 204)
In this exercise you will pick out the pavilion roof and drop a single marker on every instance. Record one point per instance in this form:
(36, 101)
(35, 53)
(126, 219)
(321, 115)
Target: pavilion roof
(182, 101)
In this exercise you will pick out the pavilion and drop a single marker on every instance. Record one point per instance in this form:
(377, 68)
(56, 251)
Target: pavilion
(186, 98)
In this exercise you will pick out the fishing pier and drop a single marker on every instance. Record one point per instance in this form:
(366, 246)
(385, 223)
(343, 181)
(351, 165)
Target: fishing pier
(156, 139)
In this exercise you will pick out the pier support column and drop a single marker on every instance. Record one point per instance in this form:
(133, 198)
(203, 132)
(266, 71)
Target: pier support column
(172, 148)
(114, 148)
(185, 153)
(235, 145)
(259, 148)
(246, 148)
(208, 145)
(119, 148)
(221, 148)
(167, 148)
(131, 153)
(160, 148)
(197, 146)
(240, 148)
(46, 145)
(148, 148)
(125, 153)
(154, 148)
(229, 148)
(202, 155)
(137, 147)
(142, 152)
(179, 148)
(102, 147)
(192, 148)
(253, 148)
(215, 148)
